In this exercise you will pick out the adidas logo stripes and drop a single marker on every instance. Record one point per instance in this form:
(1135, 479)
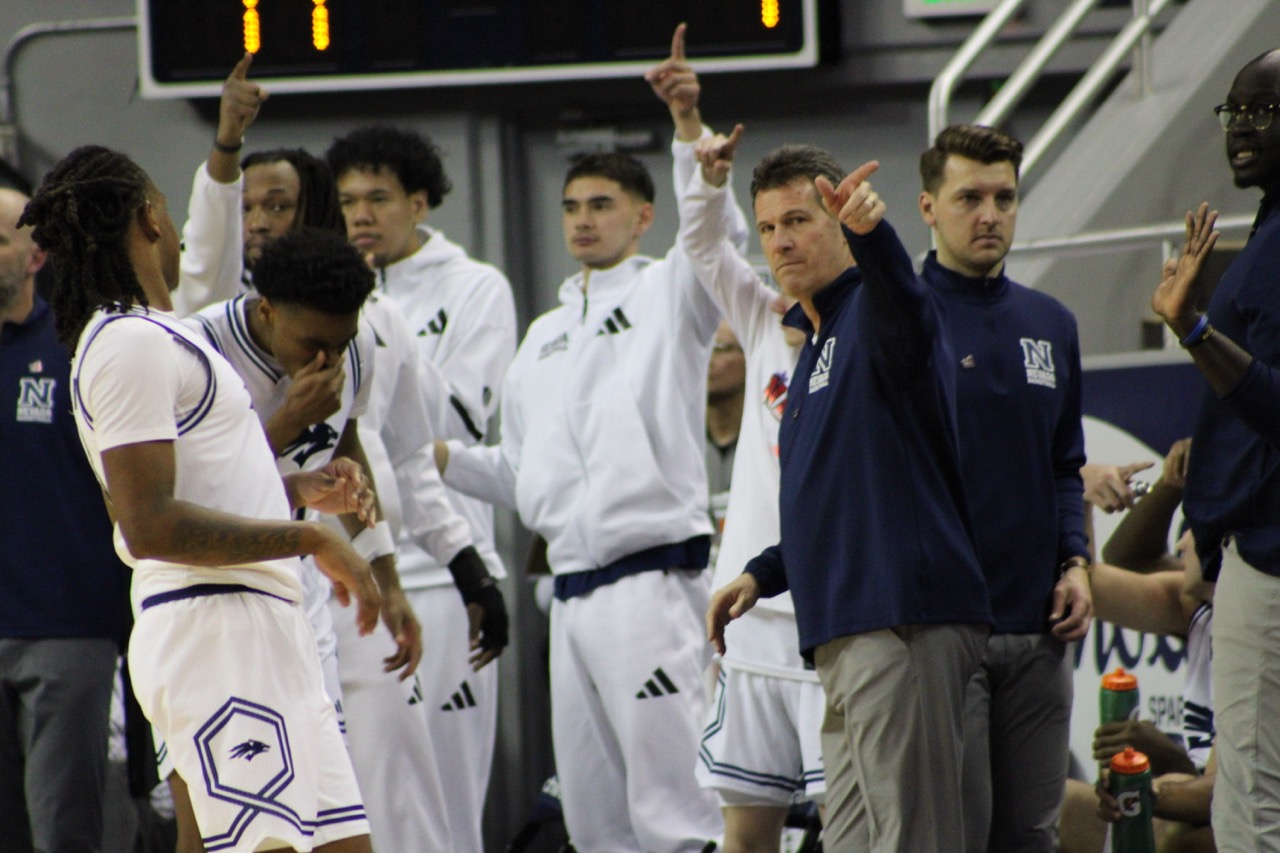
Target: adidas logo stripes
(462, 699)
(659, 685)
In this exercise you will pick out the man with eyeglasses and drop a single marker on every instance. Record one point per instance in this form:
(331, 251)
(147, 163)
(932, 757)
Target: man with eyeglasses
(1232, 496)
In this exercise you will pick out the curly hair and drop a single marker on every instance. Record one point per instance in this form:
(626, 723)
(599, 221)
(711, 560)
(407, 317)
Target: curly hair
(623, 169)
(81, 216)
(317, 194)
(314, 269)
(973, 141)
(411, 157)
(790, 163)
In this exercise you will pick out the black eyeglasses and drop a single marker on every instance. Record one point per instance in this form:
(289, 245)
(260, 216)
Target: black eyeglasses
(1258, 115)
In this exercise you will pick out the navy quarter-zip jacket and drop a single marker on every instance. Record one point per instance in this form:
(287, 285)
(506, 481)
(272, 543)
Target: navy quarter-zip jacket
(875, 526)
(1017, 363)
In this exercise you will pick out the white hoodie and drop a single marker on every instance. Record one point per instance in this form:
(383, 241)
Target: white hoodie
(462, 317)
(603, 413)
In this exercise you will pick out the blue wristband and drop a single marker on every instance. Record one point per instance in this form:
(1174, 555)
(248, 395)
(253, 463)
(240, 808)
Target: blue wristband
(1197, 333)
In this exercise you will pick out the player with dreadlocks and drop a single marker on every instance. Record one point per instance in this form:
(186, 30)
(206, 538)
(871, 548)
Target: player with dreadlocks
(221, 656)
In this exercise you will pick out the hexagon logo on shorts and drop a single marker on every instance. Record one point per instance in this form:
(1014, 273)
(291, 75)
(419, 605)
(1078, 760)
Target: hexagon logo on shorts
(245, 755)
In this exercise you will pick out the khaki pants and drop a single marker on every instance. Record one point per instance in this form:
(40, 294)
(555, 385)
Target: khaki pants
(891, 740)
(1246, 696)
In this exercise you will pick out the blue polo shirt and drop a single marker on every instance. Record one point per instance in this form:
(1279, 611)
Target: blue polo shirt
(58, 569)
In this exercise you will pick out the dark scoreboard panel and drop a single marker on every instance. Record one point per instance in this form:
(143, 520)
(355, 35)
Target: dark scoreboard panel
(187, 47)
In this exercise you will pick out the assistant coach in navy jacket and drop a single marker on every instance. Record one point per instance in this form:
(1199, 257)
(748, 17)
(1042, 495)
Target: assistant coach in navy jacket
(877, 548)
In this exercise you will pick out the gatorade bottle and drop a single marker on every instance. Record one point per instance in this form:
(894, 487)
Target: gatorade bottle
(1118, 698)
(1131, 786)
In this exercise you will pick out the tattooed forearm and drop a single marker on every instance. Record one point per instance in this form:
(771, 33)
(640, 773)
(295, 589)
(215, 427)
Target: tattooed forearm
(222, 541)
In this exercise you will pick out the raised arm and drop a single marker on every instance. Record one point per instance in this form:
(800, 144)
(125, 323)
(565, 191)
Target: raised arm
(902, 323)
(676, 84)
(744, 300)
(212, 264)
(1250, 386)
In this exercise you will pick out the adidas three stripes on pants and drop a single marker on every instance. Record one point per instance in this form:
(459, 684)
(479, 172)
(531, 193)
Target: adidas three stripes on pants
(627, 706)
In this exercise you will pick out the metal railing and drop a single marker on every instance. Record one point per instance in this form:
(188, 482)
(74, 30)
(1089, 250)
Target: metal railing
(1133, 38)
(1117, 239)
(8, 121)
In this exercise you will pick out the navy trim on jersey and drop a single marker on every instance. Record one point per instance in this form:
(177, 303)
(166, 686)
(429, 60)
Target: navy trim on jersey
(187, 422)
(202, 590)
(693, 553)
(210, 333)
(357, 368)
(788, 784)
(240, 333)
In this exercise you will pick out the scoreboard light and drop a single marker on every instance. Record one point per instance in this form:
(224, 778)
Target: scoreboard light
(187, 47)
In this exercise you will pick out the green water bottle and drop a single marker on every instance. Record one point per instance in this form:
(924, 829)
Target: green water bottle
(1130, 784)
(1118, 698)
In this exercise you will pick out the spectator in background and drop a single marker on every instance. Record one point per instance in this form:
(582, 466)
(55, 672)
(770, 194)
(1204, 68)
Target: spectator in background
(726, 374)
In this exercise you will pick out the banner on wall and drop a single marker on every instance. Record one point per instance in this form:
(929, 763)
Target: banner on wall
(1136, 406)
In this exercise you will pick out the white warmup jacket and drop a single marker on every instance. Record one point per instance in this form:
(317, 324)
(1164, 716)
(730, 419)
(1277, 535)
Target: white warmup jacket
(604, 409)
(765, 639)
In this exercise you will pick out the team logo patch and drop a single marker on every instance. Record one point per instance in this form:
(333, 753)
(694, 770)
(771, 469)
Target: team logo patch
(246, 760)
(35, 399)
(1037, 358)
(775, 394)
(822, 370)
(314, 439)
(553, 346)
(249, 750)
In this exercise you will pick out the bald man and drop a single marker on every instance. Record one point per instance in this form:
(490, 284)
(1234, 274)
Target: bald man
(1232, 497)
(64, 610)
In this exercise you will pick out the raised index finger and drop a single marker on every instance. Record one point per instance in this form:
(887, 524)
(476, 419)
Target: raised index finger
(856, 178)
(241, 71)
(677, 43)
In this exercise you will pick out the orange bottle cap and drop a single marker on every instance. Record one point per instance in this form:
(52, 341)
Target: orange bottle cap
(1119, 680)
(1129, 762)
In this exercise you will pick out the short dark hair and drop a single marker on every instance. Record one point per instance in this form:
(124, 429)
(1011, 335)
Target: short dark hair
(974, 141)
(789, 163)
(313, 269)
(625, 170)
(317, 195)
(411, 157)
(81, 216)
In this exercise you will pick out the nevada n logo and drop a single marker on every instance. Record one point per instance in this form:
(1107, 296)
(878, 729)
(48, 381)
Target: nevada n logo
(1037, 358)
(35, 399)
(822, 370)
(313, 440)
